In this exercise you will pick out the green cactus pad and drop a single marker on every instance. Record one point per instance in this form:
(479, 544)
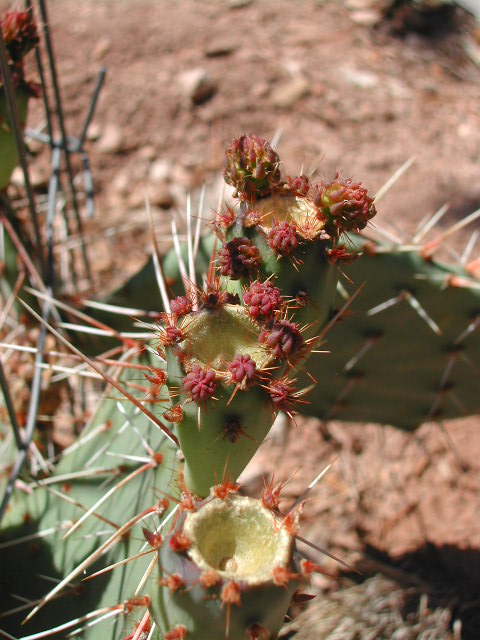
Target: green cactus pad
(407, 351)
(311, 296)
(215, 337)
(220, 436)
(112, 444)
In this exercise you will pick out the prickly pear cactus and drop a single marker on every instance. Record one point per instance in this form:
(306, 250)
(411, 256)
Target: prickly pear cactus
(225, 360)
(19, 35)
(233, 348)
(405, 349)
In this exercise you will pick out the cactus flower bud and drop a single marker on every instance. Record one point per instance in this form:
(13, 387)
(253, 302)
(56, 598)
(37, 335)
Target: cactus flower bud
(263, 299)
(344, 204)
(284, 339)
(251, 167)
(242, 368)
(238, 258)
(19, 33)
(200, 383)
(283, 238)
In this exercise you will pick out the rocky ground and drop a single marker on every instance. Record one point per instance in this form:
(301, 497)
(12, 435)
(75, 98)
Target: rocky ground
(347, 87)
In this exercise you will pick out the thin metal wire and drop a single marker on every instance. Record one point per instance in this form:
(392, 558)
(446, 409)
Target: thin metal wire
(31, 416)
(10, 408)
(36, 385)
(38, 58)
(64, 139)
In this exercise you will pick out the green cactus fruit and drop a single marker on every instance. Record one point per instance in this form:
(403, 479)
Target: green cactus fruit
(343, 205)
(218, 375)
(227, 570)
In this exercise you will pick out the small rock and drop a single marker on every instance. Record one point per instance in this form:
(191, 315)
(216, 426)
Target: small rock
(360, 4)
(122, 182)
(94, 132)
(38, 176)
(239, 4)
(159, 195)
(111, 140)
(359, 78)
(472, 50)
(286, 95)
(397, 88)
(196, 85)
(147, 153)
(35, 146)
(219, 49)
(101, 48)
(260, 89)
(366, 17)
(160, 171)
(136, 196)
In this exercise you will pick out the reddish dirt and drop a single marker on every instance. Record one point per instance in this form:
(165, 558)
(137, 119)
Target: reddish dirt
(366, 101)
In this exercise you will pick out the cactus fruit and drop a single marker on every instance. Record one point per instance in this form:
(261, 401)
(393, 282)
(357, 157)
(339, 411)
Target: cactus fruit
(251, 167)
(19, 35)
(227, 569)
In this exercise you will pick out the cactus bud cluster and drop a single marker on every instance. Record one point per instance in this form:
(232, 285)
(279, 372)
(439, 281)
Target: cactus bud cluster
(344, 205)
(251, 167)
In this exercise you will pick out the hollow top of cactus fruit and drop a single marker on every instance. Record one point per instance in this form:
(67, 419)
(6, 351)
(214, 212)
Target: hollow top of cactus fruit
(296, 210)
(239, 539)
(215, 336)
